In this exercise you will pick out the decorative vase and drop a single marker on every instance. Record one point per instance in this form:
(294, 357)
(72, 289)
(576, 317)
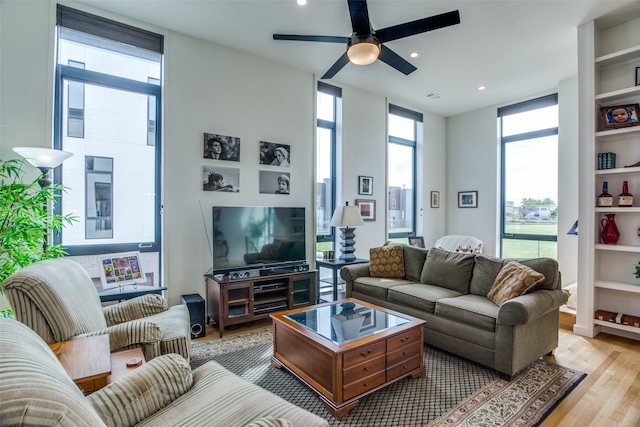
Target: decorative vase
(610, 233)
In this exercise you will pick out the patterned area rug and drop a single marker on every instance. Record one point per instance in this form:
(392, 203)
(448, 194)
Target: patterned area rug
(455, 392)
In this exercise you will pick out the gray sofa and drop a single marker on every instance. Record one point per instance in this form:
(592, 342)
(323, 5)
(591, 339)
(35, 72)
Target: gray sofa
(449, 290)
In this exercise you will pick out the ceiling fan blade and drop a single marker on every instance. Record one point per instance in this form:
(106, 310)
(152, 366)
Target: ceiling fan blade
(359, 17)
(301, 38)
(341, 62)
(396, 61)
(419, 26)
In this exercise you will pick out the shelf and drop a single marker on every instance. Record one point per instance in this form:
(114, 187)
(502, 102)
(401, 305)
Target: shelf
(618, 209)
(617, 248)
(618, 286)
(631, 329)
(620, 56)
(619, 94)
(634, 169)
(617, 132)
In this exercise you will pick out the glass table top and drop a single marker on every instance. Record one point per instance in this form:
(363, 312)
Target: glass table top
(342, 322)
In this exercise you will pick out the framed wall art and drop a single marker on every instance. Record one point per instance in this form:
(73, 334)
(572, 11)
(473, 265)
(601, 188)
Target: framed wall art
(618, 116)
(275, 182)
(367, 209)
(275, 154)
(435, 199)
(221, 147)
(365, 185)
(226, 180)
(120, 269)
(416, 241)
(637, 76)
(467, 199)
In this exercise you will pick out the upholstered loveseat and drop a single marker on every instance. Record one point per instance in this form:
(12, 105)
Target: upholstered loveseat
(450, 291)
(35, 390)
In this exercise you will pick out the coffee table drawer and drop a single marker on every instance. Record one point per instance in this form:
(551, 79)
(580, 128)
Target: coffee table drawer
(402, 354)
(362, 354)
(363, 385)
(400, 340)
(403, 367)
(361, 370)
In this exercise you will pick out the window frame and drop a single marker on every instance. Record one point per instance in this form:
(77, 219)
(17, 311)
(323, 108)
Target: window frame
(533, 104)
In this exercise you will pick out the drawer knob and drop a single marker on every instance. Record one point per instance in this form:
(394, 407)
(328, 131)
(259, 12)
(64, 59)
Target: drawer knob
(366, 384)
(366, 369)
(404, 353)
(362, 353)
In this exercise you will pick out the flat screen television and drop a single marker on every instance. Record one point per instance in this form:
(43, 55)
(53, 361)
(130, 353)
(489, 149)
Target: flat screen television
(246, 237)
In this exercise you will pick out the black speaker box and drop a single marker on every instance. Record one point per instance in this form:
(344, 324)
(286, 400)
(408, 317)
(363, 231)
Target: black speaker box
(195, 305)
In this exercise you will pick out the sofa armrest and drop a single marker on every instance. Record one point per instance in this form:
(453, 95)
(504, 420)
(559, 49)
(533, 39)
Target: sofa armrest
(529, 307)
(352, 272)
(135, 308)
(143, 392)
(124, 335)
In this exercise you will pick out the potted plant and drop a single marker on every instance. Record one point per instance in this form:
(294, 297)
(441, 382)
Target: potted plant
(26, 220)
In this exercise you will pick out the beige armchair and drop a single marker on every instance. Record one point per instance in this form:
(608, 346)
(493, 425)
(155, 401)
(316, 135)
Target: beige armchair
(57, 299)
(35, 390)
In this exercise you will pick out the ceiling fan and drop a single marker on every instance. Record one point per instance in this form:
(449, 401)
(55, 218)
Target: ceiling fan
(364, 45)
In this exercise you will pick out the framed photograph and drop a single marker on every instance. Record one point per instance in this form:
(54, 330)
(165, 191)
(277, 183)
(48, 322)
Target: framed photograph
(275, 182)
(226, 180)
(435, 199)
(619, 116)
(637, 76)
(367, 209)
(221, 147)
(416, 241)
(369, 321)
(120, 269)
(365, 185)
(467, 199)
(275, 154)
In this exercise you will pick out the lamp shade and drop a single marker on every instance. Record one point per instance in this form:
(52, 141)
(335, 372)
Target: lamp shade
(346, 216)
(363, 51)
(43, 157)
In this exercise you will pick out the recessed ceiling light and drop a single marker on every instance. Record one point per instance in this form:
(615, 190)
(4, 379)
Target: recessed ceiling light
(302, 2)
(413, 54)
(482, 87)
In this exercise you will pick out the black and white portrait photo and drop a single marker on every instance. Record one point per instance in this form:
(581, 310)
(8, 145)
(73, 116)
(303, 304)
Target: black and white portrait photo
(221, 179)
(275, 182)
(221, 147)
(275, 154)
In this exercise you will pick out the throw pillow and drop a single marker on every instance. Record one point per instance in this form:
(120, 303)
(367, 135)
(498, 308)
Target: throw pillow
(514, 279)
(449, 270)
(387, 261)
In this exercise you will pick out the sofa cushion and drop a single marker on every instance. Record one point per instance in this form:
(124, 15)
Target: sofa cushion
(420, 296)
(386, 261)
(514, 279)
(447, 269)
(485, 271)
(413, 261)
(473, 310)
(377, 287)
(546, 266)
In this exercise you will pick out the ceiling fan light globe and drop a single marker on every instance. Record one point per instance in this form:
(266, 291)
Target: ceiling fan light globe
(364, 52)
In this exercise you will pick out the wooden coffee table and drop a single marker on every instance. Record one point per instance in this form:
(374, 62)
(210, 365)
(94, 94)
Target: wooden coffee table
(347, 349)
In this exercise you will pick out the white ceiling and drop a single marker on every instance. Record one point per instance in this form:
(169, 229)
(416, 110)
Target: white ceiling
(515, 48)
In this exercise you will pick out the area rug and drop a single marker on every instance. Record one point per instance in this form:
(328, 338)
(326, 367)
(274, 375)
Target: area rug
(455, 391)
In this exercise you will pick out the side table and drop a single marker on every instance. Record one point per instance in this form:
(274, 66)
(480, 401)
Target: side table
(86, 360)
(119, 367)
(335, 265)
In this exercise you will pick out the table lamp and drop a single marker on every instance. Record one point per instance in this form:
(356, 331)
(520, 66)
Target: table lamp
(347, 218)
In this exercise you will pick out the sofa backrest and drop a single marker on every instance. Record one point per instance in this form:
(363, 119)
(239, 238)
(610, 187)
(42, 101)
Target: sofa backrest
(486, 270)
(449, 270)
(34, 387)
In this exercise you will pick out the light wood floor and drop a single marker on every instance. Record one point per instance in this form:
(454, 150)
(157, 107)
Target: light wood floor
(609, 396)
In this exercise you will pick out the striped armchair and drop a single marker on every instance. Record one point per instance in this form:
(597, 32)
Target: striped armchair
(57, 299)
(35, 390)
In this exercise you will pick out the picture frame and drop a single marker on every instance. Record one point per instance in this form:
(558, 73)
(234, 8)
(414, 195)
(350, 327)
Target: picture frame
(369, 321)
(637, 76)
(367, 209)
(120, 269)
(273, 154)
(619, 116)
(435, 199)
(221, 179)
(221, 147)
(275, 182)
(416, 241)
(365, 185)
(467, 199)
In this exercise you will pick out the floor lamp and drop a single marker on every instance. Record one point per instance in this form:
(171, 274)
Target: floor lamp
(347, 218)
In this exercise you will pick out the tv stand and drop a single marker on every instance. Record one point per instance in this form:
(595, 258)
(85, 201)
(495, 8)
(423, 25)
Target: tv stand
(231, 302)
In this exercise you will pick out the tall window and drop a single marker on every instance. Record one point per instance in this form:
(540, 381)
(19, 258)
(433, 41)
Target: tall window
(107, 113)
(403, 131)
(529, 135)
(328, 101)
